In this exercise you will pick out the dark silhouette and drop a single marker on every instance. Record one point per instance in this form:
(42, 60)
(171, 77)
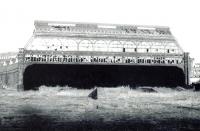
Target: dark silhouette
(87, 76)
(94, 94)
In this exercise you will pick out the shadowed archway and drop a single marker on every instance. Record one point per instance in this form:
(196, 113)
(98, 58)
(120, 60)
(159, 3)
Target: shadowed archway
(88, 76)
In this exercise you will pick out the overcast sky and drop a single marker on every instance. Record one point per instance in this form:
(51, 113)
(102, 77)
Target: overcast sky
(182, 16)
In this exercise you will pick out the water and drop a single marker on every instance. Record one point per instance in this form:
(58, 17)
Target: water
(57, 108)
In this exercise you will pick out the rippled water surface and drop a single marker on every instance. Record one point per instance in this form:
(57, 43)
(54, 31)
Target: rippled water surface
(58, 108)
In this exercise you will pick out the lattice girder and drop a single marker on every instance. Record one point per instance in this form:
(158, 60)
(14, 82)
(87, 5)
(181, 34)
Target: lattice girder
(85, 44)
(113, 38)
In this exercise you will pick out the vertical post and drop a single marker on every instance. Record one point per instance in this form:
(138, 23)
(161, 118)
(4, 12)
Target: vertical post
(20, 69)
(6, 75)
(187, 68)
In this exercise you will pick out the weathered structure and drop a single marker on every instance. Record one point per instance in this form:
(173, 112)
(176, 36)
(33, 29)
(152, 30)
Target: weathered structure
(8, 68)
(196, 70)
(88, 44)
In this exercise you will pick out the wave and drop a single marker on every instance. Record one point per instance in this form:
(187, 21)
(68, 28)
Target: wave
(120, 91)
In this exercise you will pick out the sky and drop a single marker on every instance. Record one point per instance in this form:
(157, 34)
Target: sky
(182, 16)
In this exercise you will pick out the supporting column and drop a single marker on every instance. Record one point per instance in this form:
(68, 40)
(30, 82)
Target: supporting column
(20, 69)
(187, 68)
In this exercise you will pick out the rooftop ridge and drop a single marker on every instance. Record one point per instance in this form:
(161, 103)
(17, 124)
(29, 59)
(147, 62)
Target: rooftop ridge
(55, 27)
(67, 23)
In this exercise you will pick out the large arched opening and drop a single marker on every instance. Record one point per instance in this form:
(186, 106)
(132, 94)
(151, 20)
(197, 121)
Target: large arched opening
(87, 76)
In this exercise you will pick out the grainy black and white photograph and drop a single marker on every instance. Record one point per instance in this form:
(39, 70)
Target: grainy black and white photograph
(108, 65)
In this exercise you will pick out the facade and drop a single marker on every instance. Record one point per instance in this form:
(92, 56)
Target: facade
(101, 44)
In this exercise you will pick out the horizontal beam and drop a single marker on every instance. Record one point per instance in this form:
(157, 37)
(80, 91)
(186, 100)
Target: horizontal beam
(93, 53)
(105, 36)
(96, 63)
